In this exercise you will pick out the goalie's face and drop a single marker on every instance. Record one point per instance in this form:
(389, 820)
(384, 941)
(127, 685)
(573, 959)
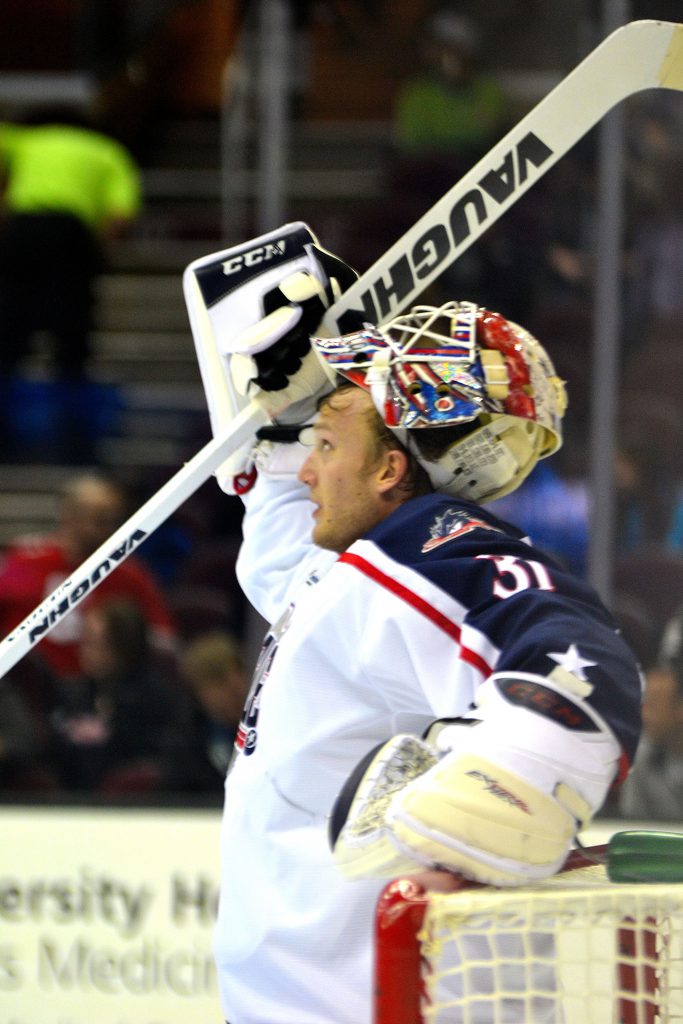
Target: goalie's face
(354, 481)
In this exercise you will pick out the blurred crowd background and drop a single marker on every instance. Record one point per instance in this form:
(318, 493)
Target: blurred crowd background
(137, 135)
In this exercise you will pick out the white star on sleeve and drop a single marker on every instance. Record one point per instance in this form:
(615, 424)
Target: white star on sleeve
(571, 661)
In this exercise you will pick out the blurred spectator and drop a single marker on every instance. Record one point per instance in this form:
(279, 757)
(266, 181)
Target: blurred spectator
(91, 508)
(554, 508)
(567, 200)
(639, 627)
(67, 189)
(657, 261)
(124, 46)
(213, 667)
(450, 112)
(446, 116)
(634, 512)
(119, 726)
(654, 788)
(648, 473)
(111, 34)
(19, 738)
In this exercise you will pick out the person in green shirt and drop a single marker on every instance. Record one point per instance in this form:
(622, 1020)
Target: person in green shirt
(67, 188)
(450, 110)
(68, 168)
(65, 191)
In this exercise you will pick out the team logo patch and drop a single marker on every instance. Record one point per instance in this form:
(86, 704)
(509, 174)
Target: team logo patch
(452, 523)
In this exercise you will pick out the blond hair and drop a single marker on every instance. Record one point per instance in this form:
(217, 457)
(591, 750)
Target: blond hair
(211, 656)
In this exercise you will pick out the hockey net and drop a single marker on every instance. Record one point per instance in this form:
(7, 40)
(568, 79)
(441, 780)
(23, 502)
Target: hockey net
(575, 949)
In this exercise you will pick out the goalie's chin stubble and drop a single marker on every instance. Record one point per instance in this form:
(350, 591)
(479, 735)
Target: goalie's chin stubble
(332, 535)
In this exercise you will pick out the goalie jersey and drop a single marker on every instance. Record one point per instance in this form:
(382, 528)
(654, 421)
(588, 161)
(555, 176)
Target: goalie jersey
(399, 630)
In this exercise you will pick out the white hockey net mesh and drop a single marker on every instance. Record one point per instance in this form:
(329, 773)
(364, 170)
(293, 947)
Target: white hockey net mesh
(577, 949)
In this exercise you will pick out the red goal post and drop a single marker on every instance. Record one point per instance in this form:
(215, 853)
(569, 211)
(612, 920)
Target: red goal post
(575, 949)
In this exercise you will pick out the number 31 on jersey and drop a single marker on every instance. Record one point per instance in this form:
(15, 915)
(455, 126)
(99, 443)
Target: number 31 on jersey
(517, 574)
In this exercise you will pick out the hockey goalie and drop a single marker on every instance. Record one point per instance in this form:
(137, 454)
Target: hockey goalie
(434, 692)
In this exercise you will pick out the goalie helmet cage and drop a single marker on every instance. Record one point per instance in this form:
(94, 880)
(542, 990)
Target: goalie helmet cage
(574, 949)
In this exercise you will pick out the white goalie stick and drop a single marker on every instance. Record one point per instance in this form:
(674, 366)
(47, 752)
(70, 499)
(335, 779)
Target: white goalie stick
(640, 55)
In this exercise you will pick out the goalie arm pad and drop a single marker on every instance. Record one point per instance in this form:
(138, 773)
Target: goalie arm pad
(501, 802)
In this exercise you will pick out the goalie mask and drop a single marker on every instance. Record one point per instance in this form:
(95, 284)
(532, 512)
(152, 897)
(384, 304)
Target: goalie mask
(459, 366)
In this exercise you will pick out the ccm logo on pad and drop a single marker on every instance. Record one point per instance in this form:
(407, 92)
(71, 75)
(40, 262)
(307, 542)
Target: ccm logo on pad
(546, 702)
(261, 254)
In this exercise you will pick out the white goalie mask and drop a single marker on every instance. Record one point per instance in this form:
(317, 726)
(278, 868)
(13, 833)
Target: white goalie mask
(455, 365)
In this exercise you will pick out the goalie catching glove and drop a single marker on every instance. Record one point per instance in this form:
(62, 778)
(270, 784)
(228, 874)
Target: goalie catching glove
(499, 802)
(252, 310)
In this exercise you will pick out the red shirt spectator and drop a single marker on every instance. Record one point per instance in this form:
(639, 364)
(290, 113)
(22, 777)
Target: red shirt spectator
(92, 508)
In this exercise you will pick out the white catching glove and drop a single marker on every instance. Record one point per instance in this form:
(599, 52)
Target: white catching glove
(499, 802)
(252, 309)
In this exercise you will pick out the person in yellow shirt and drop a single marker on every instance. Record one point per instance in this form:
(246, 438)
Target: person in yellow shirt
(65, 189)
(450, 109)
(447, 114)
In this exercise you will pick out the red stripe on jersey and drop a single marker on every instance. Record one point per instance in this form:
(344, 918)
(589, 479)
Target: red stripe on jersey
(420, 605)
(624, 768)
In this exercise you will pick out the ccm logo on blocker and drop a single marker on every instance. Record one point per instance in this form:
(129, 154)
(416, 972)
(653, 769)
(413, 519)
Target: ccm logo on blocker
(261, 254)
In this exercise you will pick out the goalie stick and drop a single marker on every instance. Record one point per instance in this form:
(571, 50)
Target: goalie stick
(640, 55)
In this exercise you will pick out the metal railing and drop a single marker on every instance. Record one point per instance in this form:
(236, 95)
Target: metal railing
(255, 104)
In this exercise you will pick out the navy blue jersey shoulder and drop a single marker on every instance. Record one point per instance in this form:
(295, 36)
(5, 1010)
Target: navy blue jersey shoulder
(460, 546)
(537, 616)
(432, 530)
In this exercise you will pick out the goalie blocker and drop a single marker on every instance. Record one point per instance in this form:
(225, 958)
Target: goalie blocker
(489, 798)
(252, 309)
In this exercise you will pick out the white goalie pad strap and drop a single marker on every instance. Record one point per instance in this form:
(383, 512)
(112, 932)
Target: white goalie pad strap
(545, 732)
(224, 296)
